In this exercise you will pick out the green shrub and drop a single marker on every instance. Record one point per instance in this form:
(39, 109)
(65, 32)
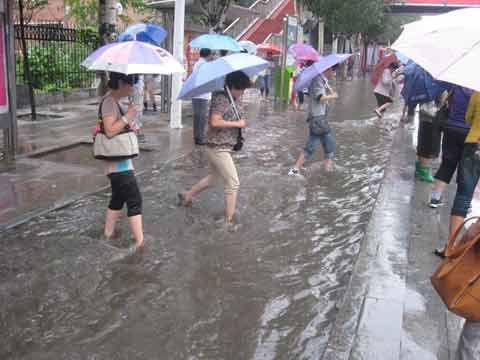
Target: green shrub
(55, 66)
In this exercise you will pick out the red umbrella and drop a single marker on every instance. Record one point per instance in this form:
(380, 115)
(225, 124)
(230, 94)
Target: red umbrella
(382, 65)
(269, 48)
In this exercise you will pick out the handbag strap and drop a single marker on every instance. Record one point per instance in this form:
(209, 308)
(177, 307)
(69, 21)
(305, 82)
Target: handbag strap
(100, 118)
(235, 111)
(454, 248)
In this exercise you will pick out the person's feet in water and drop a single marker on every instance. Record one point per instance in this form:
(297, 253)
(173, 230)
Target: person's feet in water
(328, 165)
(183, 199)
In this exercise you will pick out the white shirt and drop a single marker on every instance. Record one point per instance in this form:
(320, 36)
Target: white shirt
(196, 68)
(385, 85)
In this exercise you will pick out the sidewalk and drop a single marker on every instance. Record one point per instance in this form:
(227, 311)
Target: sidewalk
(54, 165)
(390, 310)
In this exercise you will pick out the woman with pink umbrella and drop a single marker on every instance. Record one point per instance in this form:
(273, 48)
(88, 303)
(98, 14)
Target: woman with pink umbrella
(304, 55)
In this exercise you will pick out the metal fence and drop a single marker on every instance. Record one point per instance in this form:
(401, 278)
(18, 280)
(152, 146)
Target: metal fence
(55, 54)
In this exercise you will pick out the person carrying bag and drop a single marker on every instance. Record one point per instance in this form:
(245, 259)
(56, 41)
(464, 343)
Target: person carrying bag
(457, 281)
(116, 144)
(121, 146)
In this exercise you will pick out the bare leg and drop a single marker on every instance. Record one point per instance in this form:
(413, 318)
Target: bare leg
(384, 107)
(328, 164)
(439, 186)
(300, 161)
(455, 224)
(137, 229)
(425, 161)
(230, 204)
(202, 185)
(110, 221)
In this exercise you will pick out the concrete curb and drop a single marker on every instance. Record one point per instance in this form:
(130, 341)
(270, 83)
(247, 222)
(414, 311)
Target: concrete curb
(364, 300)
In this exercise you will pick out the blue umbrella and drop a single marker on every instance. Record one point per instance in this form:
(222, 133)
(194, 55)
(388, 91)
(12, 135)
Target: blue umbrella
(149, 33)
(211, 76)
(402, 58)
(216, 42)
(419, 86)
(307, 75)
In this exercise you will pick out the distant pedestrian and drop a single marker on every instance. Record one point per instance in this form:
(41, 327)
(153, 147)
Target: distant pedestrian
(121, 173)
(455, 131)
(385, 89)
(320, 94)
(149, 94)
(221, 138)
(200, 102)
(299, 99)
(266, 75)
(137, 99)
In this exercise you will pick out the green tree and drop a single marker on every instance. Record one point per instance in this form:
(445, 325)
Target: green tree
(85, 12)
(214, 13)
(370, 18)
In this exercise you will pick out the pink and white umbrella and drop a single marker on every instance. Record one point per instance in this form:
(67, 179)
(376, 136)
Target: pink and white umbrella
(304, 52)
(133, 57)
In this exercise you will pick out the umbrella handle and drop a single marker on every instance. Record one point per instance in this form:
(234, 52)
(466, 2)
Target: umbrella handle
(232, 101)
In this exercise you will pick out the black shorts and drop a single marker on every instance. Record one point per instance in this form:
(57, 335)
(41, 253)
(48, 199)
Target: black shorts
(125, 190)
(382, 99)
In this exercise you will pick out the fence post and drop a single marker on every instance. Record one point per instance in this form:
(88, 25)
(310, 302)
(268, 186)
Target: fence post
(26, 62)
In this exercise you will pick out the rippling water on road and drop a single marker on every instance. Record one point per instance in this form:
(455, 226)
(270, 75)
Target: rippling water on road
(265, 291)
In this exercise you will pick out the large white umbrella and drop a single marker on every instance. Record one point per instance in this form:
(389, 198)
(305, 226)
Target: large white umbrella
(447, 46)
(133, 57)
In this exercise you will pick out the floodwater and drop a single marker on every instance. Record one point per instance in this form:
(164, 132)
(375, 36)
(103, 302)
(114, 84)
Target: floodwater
(265, 291)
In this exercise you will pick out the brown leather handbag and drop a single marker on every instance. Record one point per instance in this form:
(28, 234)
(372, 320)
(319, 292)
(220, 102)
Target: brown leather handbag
(457, 279)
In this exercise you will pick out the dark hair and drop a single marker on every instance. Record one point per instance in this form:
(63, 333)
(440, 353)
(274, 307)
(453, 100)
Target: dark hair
(394, 66)
(205, 52)
(115, 78)
(223, 52)
(237, 80)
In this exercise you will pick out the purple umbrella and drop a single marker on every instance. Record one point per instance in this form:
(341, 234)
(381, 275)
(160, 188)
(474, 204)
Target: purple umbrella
(307, 75)
(303, 52)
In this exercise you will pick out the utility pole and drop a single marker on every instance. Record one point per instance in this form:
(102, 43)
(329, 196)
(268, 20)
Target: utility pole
(107, 20)
(178, 34)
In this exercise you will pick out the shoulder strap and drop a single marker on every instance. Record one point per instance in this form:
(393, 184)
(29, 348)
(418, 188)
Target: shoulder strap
(100, 109)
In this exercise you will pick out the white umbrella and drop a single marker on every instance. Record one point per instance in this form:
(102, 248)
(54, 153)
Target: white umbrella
(133, 57)
(447, 46)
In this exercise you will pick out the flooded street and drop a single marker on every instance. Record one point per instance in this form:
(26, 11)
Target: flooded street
(266, 291)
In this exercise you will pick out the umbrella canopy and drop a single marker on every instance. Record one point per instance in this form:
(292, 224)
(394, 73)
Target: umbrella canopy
(213, 73)
(149, 33)
(419, 86)
(381, 66)
(307, 75)
(216, 42)
(249, 46)
(303, 52)
(447, 46)
(269, 48)
(133, 57)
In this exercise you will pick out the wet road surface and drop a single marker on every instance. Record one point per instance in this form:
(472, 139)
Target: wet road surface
(266, 291)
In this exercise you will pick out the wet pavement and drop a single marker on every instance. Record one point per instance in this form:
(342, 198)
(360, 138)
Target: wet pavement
(270, 290)
(390, 310)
